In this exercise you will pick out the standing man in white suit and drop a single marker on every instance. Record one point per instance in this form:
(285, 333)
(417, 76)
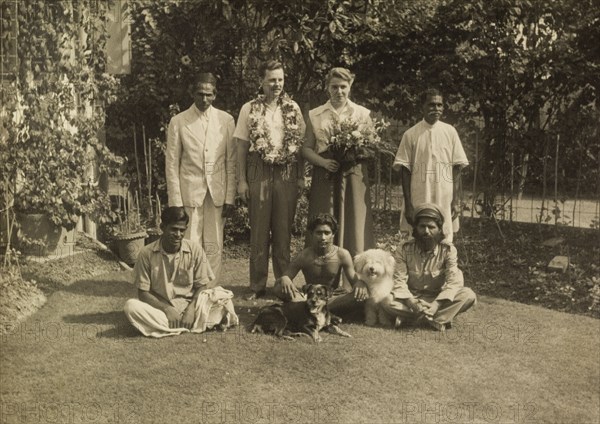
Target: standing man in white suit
(200, 167)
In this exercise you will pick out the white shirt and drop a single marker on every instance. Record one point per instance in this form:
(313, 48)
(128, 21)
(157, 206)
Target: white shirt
(274, 121)
(321, 119)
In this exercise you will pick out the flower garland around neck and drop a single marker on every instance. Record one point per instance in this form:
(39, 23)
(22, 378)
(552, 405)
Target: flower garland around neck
(260, 135)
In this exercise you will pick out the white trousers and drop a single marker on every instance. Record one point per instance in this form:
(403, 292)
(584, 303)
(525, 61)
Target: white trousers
(206, 227)
(213, 307)
(151, 322)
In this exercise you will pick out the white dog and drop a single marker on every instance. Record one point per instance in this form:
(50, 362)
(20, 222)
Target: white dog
(376, 268)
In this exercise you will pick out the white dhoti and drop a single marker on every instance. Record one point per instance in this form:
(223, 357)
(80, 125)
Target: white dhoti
(214, 307)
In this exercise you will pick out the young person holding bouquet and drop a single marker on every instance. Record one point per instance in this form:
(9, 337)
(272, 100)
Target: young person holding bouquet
(340, 137)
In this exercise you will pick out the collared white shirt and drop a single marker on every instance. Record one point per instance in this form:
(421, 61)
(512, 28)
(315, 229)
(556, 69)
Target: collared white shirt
(201, 124)
(321, 119)
(425, 148)
(273, 119)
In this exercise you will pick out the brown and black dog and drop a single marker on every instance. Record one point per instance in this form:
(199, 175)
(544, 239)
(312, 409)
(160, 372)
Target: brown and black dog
(300, 318)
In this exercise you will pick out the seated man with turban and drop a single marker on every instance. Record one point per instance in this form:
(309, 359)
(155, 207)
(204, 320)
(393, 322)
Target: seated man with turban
(427, 282)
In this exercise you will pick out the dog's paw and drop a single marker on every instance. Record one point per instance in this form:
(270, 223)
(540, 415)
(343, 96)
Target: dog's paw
(334, 319)
(334, 329)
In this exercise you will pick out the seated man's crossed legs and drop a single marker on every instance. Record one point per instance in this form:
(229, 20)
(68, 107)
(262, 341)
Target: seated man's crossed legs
(464, 299)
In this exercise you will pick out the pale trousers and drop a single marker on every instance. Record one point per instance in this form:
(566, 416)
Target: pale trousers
(152, 322)
(464, 299)
(206, 227)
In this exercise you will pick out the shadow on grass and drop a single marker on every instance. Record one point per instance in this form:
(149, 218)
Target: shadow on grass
(111, 325)
(100, 318)
(239, 292)
(114, 324)
(109, 285)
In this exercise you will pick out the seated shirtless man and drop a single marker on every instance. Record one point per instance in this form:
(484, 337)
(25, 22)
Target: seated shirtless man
(322, 263)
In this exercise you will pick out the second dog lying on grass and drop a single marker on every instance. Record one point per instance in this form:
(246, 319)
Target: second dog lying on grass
(376, 268)
(300, 318)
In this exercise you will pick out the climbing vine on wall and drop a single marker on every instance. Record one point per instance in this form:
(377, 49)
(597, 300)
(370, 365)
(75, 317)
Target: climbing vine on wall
(53, 106)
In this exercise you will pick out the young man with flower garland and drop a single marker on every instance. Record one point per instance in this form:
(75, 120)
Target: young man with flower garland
(200, 167)
(269, 135)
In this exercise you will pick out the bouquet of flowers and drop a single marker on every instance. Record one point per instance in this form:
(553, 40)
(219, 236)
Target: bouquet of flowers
(352, 141)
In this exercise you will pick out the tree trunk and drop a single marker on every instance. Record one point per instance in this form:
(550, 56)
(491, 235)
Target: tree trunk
(523, 174)
(544, 181)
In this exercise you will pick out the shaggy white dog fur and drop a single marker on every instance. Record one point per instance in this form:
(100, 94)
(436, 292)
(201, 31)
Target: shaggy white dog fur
(376, 268)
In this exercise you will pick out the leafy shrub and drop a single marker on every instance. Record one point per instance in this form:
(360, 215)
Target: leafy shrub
(49, 143)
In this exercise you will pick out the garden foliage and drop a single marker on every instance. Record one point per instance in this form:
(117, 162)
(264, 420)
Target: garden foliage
(517, 74)
(53, 107)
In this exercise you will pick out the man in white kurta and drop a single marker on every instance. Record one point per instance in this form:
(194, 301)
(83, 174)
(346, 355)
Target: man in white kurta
(431, 157)
(200, 168)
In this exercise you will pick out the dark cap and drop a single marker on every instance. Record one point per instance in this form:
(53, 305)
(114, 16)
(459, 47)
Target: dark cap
(428, 210)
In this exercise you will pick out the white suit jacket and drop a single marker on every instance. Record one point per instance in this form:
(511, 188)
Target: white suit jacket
(196, 165)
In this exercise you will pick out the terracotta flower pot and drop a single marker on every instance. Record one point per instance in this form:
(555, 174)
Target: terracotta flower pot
(129, 246)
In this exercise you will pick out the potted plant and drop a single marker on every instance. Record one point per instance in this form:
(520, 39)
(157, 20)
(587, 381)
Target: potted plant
(153, 227)
(128, 232)
(54, 184)
(153, 209)
(52, 112)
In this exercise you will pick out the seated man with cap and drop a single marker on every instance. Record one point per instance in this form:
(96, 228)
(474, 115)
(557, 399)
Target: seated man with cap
(427, 282)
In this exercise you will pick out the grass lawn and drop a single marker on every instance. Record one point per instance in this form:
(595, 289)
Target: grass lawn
(77, 360)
